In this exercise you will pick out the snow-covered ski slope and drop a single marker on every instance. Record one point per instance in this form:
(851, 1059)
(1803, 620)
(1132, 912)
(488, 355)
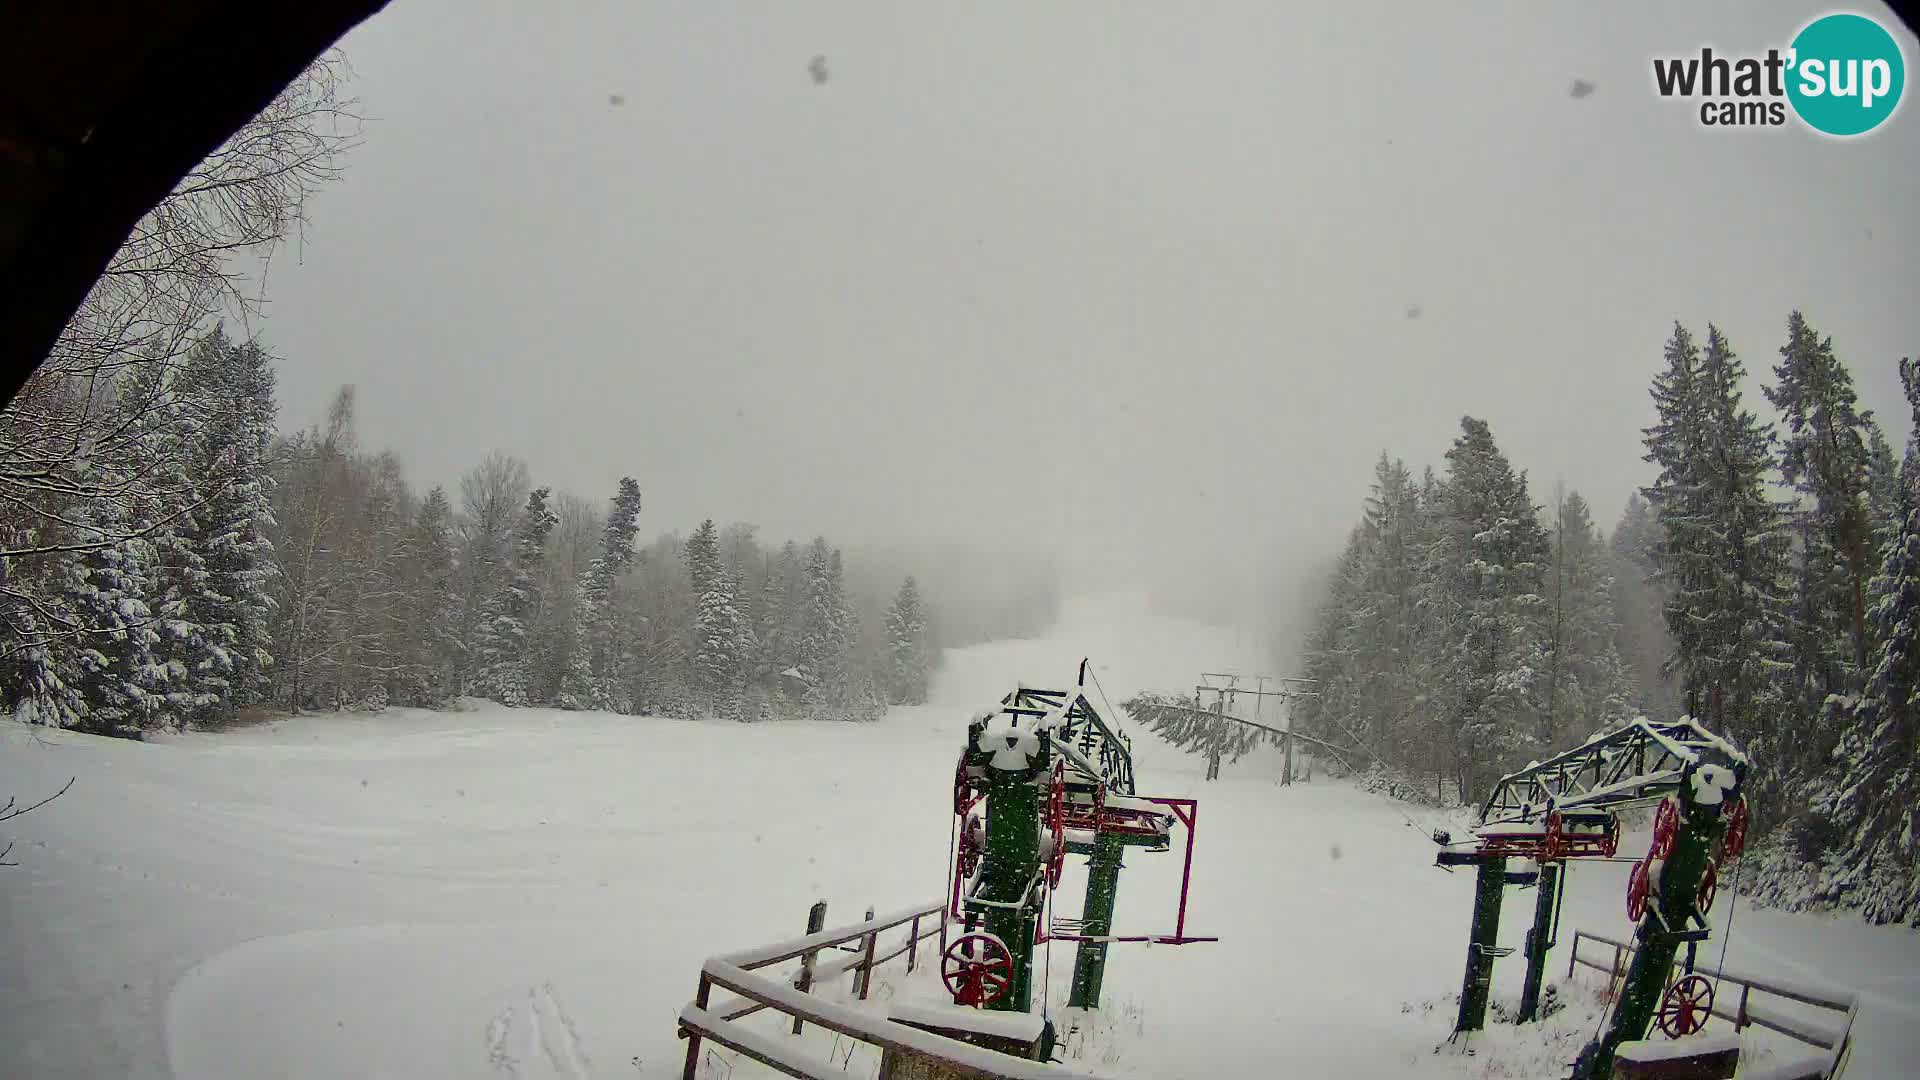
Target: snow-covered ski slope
(525, 893)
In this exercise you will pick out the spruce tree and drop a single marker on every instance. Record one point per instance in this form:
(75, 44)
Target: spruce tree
(433, 602)
(43, 675)
(233, 386)
(1335, 666)
(1489, 563)
(1752, 549)
(1588, 688)
(1883, 489)
(591, 680)
(1683, 555)
(1639, 601)
(719, 629)
(491, 497)
(824, 640)
(1873, 802)
(1825, 456)
(503, 649)
(189, 670)
(769, 629)
(908, 659)
(114, 659)
(1724, 554)
(1385, 614)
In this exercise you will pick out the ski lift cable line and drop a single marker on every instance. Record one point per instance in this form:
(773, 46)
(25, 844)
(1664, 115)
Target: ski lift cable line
(1101, 690)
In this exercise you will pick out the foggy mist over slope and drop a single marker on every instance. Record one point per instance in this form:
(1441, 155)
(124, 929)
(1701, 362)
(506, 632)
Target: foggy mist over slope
(1111, 283)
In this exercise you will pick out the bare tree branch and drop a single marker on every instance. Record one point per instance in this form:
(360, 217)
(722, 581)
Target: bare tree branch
(11, 811)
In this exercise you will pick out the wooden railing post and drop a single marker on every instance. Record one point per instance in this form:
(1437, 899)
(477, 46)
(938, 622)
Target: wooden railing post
(866, 964)
(816, 922)
(693, 1037)
(913, 942)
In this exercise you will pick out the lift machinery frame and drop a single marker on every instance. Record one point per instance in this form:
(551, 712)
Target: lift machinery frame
(1044, 775)
(1564, 809)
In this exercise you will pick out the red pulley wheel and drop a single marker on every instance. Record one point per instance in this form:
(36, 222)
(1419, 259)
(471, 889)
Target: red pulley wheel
(969, 849)
(1666, 827)
(1611, 845)
(1709, 884)
(962, 792)
(1057, 825)
(1638, 886)
(977, 969)
(1686, 1007)
(1735, 841)
(1550, 844)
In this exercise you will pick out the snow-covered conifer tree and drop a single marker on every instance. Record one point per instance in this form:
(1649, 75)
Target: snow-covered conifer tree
(909, 662)
(502, 644)
(591, 678)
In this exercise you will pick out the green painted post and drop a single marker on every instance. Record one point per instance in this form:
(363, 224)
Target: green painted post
(1669, 908)
(1096, 920)
(1538, 940)
(1489, 886)
(1012, 856)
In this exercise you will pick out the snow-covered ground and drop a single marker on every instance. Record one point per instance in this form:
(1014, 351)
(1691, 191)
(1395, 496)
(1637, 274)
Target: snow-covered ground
(530, 893)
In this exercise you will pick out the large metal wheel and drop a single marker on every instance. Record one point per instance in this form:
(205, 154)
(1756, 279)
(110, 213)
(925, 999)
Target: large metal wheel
(1686, 1007)
(1709, 885)
(1550, 845)
(977, 969)
(969, 859)
(1735, 840)
(1666, 829)
(1057, 825)
(962, 790)
(1639, 885)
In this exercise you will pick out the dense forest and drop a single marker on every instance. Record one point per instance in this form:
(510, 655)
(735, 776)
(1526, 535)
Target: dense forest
(195, 564)
(170, 556)
(1764, 583)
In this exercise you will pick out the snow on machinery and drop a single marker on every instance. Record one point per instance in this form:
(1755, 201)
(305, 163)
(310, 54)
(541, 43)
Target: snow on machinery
(1043, 775)
(1565, 809)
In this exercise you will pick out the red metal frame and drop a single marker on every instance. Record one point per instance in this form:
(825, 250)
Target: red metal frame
(1561, 838)
(1128, 821)
(1187, 812)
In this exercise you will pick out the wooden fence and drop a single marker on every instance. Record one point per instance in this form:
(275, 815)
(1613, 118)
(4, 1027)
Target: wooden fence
(1834, 1039)
(742, 974)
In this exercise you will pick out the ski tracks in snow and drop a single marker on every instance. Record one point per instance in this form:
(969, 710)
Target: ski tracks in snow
(549, 1041)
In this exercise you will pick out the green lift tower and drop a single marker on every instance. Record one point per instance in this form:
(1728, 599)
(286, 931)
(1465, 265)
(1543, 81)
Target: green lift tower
(1555, 812)
(1044, 775)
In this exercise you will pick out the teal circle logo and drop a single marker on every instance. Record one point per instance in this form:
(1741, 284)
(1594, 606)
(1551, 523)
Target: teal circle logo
(1847, 74)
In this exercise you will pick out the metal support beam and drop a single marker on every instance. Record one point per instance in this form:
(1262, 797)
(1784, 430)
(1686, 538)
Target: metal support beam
(1483, 937)
(1012, 857)
(1539, 940)
(1632, 766)
(1096, 920)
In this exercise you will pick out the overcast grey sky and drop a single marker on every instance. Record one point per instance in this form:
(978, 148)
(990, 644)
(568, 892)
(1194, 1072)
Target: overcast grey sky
(1129, 276)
